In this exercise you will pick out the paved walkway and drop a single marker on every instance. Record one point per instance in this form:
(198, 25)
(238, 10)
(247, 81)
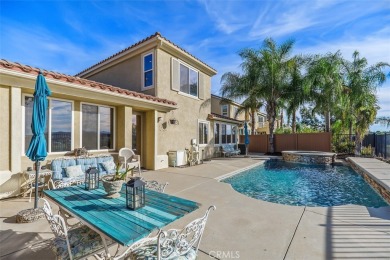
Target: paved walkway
(241, 227)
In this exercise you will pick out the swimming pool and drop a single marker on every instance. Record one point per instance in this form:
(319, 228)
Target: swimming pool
(305, 185)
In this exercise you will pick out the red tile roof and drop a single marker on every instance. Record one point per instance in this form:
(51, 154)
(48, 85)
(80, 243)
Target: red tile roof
(80, 81)
(216, 116)
(157, 34)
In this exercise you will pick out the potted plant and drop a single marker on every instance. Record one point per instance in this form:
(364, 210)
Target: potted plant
(113, 183)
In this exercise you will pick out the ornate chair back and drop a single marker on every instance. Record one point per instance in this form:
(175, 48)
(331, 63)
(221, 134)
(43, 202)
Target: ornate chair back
(57, 224)
(179, 242)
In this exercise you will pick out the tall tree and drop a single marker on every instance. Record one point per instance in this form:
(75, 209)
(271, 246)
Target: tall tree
(268, 67)
(362, 81)
(295, 95)
(236, 86)
(324, 84)
(383, 120)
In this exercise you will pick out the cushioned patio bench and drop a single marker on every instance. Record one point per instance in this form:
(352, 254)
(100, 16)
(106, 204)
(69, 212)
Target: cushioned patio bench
(229, 150)
(69, 171)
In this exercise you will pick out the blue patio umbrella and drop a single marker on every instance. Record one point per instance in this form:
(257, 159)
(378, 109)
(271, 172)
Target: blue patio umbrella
(246, 137)
(37, 149)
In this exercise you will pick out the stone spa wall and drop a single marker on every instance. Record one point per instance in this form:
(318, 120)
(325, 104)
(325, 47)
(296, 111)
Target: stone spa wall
(309, 157)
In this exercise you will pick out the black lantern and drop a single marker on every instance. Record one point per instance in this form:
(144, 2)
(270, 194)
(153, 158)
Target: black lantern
(92, 179)
(135, 193)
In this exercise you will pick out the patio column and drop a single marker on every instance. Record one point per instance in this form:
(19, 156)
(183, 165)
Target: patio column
(150, 139)
(5, 141)
(124, 127)
(15, 130)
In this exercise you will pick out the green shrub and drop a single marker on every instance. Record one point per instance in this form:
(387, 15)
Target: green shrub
(344, 147)
(367, 151)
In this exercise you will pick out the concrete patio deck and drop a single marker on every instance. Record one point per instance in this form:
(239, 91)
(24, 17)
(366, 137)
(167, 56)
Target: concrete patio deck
(241, 227)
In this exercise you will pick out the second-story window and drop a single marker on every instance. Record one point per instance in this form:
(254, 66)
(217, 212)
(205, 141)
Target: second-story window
(224, 110)
(261, 121)
(148, 70)
(188, 80)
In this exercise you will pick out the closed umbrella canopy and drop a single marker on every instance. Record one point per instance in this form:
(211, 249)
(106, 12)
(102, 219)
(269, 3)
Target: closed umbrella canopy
(246, 133)
(37, 149)
(246, 138)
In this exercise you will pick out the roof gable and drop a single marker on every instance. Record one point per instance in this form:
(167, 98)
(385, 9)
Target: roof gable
(129, 49)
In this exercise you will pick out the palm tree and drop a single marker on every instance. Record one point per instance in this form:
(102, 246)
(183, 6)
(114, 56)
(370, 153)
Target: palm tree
(383, 120)
(365, 113)
(295, 95)
(236, 86)
(251, 106)
(324, 84)
(268, 68)
(361, 102)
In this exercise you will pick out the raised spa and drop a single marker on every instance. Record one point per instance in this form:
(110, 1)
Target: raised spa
(315, 157)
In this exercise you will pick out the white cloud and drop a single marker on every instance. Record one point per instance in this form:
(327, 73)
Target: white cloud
(280, 18)
(50, 50)
(229, 16)
(374, 48)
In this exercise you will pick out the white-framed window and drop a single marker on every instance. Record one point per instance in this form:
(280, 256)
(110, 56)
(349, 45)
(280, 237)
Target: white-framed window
(59, 124)
(188, 79)
(261, 121)
(225, 133)
(148, 70)
(97, 127)
(203, 132)
(224, 110)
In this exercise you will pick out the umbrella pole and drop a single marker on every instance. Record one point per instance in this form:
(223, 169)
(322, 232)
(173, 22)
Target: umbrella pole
(37, 167)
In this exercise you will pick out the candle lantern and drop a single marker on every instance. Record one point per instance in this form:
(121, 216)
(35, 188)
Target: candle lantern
(135, 193)
(92, 179)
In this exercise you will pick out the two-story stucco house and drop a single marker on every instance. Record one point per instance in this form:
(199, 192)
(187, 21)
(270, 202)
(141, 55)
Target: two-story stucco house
(150, 97)
(226, 120)
(158, 67)
(233, 111)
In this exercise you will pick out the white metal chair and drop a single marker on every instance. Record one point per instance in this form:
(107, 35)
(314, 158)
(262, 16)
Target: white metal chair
(172, 243)
(76, 243)
(130, 159)
(154, 185)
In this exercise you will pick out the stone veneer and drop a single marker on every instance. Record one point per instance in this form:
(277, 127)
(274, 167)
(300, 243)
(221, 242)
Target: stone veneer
(383, 191)
(309, 157)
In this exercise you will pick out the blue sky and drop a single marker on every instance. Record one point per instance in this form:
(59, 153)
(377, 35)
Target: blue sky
(69, 36)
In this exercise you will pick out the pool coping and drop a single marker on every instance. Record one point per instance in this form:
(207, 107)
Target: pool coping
(374, 179)
(230, 174)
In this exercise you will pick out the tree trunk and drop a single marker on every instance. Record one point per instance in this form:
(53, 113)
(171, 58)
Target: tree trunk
(253, 122)
(294, 122)
(358, 144)
(271, 114)
(281, 118)
(327, 121)
(350, 131)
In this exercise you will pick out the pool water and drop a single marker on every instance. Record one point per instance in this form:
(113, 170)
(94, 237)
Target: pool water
(306, 185)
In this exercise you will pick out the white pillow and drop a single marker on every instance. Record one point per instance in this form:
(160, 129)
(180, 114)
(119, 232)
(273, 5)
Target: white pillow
(109, 166)
(74, 171)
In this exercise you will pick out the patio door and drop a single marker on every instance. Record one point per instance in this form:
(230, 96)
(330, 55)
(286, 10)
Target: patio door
(137, 133)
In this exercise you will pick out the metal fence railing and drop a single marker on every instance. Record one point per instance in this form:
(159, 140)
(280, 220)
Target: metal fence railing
(372, 144)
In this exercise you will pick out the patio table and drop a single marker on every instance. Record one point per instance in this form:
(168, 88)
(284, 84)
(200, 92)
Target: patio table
(112, 219)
